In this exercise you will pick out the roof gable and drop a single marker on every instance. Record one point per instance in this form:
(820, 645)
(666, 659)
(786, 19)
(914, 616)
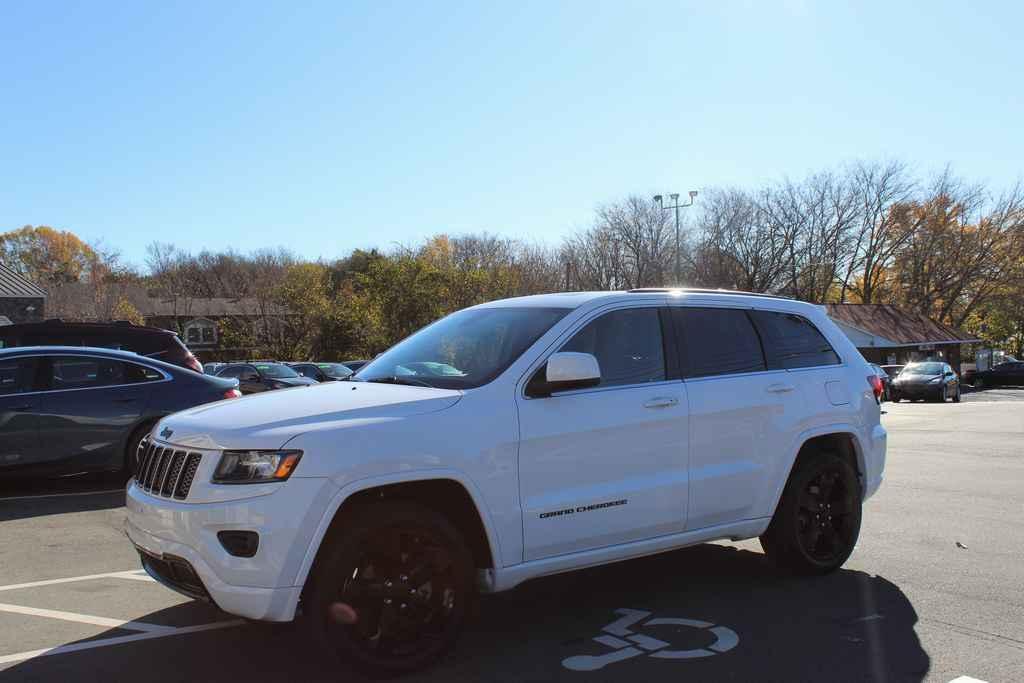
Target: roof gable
(898, 325)
(13, 285)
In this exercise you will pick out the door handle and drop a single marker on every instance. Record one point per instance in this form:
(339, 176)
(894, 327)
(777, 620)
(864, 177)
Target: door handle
(26, 406)
(661, 402)
(127, 399)
(780, 388)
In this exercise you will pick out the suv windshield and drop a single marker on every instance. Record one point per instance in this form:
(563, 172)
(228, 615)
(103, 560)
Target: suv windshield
(467, 349)
(275, 370)
(923, 369)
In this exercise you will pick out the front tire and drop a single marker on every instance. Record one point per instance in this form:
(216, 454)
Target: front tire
(393, 590)
(817, 521)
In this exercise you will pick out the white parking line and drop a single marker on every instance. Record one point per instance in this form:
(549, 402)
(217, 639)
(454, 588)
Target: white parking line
(107, 642)
(84, 618)
(61, 495)
(134, 574)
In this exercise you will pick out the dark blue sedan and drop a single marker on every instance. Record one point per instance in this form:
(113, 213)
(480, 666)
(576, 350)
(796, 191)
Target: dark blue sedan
(74, 409)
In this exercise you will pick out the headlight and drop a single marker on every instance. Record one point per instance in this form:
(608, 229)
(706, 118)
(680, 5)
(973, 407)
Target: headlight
(255, 467)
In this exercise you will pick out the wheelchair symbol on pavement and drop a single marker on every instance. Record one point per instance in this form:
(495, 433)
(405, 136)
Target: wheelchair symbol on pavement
(626, 644)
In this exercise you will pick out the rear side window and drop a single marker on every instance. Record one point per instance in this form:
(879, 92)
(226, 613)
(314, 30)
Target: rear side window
(136, 374)
(717, 341)
(792, 341)
(16, 375)
(83, 372)
(231, 372)
(627, 345)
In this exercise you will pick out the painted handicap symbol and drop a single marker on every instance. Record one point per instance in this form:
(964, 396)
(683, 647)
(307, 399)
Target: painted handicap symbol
(626, 644)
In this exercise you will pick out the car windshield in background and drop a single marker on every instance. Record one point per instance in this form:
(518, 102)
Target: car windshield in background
(464, 350)
(275, 370)
(334, 369)
(923, 369)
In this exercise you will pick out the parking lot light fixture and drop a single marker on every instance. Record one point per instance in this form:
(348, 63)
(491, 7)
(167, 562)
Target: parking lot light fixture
(675, 206)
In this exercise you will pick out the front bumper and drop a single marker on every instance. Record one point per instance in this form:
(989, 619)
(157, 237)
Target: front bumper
(177, 539)
(917, 390)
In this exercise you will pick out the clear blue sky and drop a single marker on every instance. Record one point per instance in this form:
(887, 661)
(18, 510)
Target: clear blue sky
(324, 126)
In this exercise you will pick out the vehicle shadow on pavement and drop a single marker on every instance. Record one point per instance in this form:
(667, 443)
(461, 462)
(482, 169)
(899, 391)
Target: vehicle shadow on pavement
(848, 626)
(34, 498)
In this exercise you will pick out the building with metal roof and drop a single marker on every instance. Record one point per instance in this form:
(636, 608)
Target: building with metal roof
(889, 335)
(21, 300)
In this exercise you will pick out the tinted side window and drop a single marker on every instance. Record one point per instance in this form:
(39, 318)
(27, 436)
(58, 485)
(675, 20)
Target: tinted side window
(16, 375)
(717, 341)
(136, 374)
(83, 372)
(231, 372)
(792, 341)
(627, 345)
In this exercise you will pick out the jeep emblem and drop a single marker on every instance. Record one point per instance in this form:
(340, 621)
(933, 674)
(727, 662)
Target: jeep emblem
(166, 432)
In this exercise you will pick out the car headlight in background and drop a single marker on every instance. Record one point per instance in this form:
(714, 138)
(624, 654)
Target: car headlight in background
(255, 467)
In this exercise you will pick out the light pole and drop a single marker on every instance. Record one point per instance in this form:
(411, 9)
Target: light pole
(676, 206)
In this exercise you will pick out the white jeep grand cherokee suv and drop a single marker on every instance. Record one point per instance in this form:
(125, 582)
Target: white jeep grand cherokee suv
(508, 441)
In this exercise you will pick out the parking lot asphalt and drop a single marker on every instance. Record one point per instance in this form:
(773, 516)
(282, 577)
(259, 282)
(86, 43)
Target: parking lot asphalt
(932, 591)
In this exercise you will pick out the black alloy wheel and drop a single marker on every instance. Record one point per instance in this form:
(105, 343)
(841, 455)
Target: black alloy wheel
(825, 517)
(817, 521)
(395, 591)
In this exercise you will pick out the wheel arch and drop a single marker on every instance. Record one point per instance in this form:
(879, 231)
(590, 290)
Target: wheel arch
(838, 438)
(145, 422)
(445, 491)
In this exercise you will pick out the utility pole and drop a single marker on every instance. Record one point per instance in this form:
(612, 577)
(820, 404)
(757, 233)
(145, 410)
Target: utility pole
(676, 206)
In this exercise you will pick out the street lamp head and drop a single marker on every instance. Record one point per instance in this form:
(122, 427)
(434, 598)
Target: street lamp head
(657, 198)
(693, 193)
(674, 197)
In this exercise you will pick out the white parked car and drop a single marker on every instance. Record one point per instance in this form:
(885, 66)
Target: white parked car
(508, 441)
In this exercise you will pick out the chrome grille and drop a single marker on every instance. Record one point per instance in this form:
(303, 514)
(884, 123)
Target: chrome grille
(166, 472)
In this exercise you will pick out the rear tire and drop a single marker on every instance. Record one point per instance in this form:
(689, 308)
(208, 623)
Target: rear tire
(131, 451)
(406, 576)
(979, 383)
(817, 521)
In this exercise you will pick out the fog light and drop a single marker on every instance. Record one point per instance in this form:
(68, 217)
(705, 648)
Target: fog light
(239, 543)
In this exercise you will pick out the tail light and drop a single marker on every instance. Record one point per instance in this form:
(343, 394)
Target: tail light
(194, 364)
(232, 393)
(876, 385)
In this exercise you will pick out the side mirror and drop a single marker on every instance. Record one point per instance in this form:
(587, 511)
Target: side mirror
(565, 371)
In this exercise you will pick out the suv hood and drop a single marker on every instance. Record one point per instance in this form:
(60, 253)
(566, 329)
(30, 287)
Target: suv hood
(269, 420)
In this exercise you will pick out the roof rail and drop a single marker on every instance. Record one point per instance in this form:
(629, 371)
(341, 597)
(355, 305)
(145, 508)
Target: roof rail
(697, 290)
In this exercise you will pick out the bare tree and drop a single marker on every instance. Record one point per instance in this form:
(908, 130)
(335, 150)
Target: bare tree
(878, 187)
(738, 245)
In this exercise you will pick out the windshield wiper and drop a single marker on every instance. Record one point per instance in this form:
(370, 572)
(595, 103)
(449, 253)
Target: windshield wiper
(404, 381)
